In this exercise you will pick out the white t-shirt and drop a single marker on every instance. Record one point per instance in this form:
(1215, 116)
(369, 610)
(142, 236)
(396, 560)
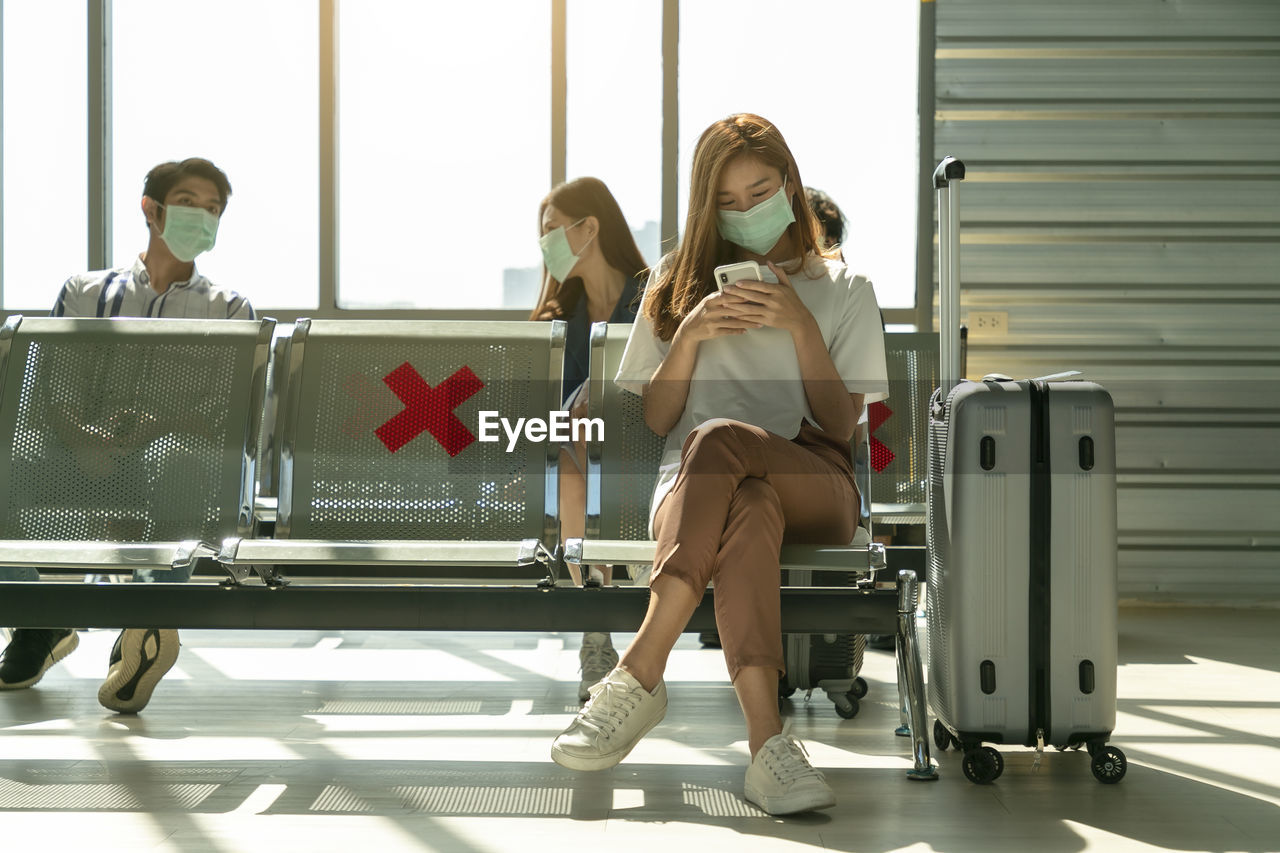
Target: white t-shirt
(755, 377)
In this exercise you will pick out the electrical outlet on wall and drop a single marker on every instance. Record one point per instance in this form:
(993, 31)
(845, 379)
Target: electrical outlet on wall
(989, 322)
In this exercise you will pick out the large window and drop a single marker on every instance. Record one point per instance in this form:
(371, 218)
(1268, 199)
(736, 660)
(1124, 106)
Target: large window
(45, 150)
(444, 151)
(839, 81)
(447, 134)
(614, 70)
(193, 78)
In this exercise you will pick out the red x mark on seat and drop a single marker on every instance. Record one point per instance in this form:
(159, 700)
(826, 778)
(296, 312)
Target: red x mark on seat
(881, 455)
(429, 409)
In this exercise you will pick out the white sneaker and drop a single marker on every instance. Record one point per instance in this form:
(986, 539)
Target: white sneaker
(619, 714)
(596, 659)
(780, 779)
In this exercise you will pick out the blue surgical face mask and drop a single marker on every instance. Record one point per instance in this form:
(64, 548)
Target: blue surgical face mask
(760, 228)
(188, 231)
(557, 255)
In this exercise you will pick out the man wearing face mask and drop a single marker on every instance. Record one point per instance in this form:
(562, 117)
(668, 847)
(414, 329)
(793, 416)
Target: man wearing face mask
(182, 204)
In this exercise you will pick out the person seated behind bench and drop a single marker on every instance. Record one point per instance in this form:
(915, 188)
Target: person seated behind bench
(592, 272)
(182, 204)
(757, 389)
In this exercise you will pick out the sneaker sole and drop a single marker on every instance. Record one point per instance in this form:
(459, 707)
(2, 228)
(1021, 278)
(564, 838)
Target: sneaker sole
(61, 649)
(132, 679)
(602, 762)
(793, 803)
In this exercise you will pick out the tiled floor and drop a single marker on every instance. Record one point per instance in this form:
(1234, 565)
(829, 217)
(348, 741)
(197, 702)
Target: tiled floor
(303, 741)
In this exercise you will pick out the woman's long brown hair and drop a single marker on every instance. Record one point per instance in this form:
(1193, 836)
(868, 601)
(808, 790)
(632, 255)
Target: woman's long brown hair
(576, 199)
(687, 274)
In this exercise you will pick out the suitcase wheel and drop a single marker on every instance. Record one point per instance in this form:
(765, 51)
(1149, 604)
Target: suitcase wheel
(942, 738)
(1108, 765)
(859, 687)
(983, 765)
(847, 704)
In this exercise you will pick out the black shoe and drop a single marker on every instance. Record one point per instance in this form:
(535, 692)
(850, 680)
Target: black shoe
(31, 652)
(139, 659)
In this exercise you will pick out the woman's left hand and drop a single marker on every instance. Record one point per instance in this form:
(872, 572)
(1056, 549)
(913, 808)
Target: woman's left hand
(777, 305)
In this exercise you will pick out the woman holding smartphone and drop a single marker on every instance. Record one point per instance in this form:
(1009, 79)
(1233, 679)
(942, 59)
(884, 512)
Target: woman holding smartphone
(757, 388)
(592, 272)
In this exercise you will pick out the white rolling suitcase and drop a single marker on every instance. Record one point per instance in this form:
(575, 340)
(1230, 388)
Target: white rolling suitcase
(827, 662)
(1022, 552)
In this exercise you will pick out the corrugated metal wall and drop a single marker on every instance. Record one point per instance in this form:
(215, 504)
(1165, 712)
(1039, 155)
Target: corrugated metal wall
(1123, 206)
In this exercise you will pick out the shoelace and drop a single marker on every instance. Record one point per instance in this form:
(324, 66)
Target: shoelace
(790, 760)
(610, 703)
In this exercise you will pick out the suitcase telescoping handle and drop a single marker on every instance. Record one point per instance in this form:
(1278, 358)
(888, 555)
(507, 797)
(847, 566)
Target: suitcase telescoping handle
(946, 180)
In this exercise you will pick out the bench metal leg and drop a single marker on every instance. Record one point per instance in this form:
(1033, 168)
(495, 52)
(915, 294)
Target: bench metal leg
(911, 672)
(904, 703)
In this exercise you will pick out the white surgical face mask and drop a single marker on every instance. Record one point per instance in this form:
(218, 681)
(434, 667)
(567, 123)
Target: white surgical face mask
(760, 228)
(188, 231)
(556, 254)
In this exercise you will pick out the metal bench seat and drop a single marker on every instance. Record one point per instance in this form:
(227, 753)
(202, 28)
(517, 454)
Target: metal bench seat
(126, 442)
(377, 463)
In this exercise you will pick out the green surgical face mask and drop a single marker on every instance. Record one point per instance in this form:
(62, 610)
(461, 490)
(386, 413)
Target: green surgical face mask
(760, 228)
(557, 255)
(188, 231)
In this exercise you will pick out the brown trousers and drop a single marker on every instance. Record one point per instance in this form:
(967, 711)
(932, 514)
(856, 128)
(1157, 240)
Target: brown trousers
(741, 492)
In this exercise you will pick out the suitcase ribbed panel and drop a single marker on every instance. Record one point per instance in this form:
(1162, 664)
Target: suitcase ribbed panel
(940, 677)
(996, 420)
(995, 577)
(1084, 586)
(1081, 420)
(1081, 572)
(995, 713)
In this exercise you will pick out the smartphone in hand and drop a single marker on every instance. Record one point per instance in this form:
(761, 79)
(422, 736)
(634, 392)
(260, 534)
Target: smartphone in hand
(742, 271)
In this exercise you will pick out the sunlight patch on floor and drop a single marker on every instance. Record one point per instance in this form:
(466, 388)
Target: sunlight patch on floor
(398, 665)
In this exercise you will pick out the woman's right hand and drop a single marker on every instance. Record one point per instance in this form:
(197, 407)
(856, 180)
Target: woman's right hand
(551, 311)
(717, 314)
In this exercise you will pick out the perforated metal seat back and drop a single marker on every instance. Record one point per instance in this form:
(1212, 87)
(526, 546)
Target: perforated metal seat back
(126, 430)
(630, 457)
(382, 438)
(912, 361)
